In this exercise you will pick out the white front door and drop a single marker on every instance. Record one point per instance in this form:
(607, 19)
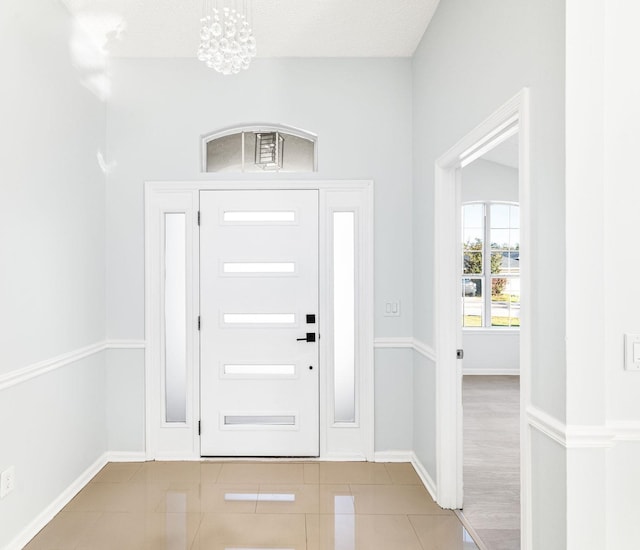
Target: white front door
(259, 391)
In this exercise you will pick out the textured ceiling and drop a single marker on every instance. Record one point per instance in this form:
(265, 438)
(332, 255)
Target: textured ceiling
(283, 28)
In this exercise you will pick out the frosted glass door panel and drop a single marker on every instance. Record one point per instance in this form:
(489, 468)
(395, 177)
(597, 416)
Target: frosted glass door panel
(275, 420)
(259, 216)
(175, 317)
(259, 318)
(259, 370)
(344, 315)
(259, 268)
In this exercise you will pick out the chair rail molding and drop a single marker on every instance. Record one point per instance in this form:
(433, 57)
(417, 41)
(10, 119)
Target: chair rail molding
(583, 436)
(406, 342)
(24, 374)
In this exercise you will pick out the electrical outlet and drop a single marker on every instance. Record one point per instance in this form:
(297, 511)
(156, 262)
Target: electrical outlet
(7, 481)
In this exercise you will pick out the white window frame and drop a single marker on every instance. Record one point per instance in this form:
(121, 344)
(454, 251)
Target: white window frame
(486, 274)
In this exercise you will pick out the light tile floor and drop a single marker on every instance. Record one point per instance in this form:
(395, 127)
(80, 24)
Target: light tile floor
(254, 506)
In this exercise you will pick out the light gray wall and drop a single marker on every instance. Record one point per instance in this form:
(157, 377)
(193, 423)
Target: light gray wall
(424, 413)
(473, 58)
(491, 352)
(52, 280)
(497, 351)
(484, 180)
(361, 111)
(52, 283)
(125, 400)
(393, 400)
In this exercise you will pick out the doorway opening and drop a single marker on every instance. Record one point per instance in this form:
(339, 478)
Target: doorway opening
(491, 296)
(510, 120)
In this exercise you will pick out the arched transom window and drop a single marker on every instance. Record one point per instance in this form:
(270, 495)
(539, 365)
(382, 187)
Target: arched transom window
(259, 148)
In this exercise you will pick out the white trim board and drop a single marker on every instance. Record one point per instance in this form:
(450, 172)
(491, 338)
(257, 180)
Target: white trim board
(401, 342)
(425, 350)
(355, 440)
(426, 479)
(490, 372)
(126, 344)
(24, 374)
(406, 342)
(573, 436)
(393, 456)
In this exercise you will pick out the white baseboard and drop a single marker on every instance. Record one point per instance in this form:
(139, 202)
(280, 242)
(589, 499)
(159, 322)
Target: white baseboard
(34, 527)
(490, 372)
(126, 456)
(425, 477)
(177, 457)
(393, 456)
(343, 457)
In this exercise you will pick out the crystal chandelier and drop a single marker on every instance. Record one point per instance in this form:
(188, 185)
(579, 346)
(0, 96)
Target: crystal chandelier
(226, 39)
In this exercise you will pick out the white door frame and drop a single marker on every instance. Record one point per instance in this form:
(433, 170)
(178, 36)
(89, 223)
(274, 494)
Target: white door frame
(180, 441)
(512, 117)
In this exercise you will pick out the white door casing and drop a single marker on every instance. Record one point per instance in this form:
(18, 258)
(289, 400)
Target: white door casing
(513, 116)
(258, 301)
(181, 440)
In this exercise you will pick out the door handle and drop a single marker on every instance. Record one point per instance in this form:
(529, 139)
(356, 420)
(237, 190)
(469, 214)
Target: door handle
(310, 337)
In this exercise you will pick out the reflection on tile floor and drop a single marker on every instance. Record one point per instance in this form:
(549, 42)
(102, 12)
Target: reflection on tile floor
(254, 506)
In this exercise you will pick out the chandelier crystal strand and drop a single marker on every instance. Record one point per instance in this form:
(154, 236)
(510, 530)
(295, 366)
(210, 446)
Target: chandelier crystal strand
(227, 44)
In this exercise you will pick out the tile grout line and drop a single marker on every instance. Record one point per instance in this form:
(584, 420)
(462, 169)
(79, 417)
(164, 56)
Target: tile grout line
(413, 527)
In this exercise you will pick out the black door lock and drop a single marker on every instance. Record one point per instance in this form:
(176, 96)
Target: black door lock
(310, 337)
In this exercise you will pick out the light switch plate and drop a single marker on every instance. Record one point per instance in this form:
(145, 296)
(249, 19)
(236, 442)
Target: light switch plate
(392, 309)
(7, 481)
(632, 352)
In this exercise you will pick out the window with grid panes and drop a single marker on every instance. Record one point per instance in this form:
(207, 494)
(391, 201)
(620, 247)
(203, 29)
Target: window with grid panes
(491, 265)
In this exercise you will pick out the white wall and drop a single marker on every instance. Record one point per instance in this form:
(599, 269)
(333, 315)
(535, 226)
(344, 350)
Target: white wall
(473, 58)
(361, 111)
(490, 351)
(485, 180)
(603, 121)
(621, 263)
(52, 283)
